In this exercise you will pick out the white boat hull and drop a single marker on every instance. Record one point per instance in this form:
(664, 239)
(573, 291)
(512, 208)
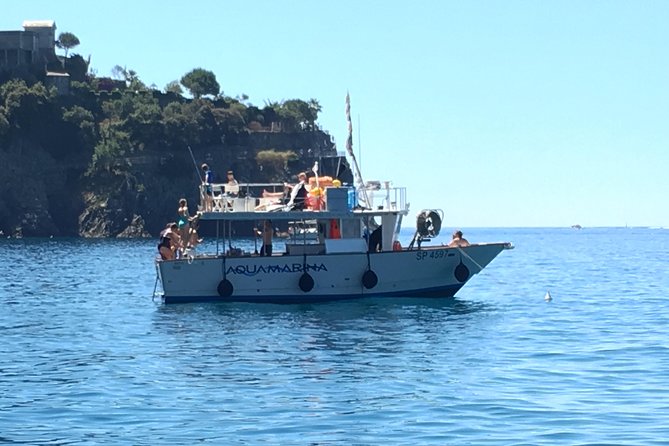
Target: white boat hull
(427, 272)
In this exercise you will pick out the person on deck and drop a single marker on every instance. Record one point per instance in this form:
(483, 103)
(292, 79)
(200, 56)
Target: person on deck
(232, 184)
(299, 193)
(266, 234)
(376, 240)
(169, 242)
(193, 239)
(458, 240)
(183, 218)
(207, 180)
(231, 179)
(267, 194)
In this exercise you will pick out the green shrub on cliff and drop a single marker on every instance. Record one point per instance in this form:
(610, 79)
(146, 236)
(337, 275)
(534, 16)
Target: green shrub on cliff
(24, 106)
(273, 165)
(108, 151)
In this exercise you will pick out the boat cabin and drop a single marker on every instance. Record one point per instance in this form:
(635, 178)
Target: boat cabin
(334, 219)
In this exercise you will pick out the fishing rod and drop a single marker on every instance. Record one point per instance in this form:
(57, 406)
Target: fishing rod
(197, 171)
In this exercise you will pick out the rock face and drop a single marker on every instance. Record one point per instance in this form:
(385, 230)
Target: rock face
(29, 180)
(43, 196)
(135, 229)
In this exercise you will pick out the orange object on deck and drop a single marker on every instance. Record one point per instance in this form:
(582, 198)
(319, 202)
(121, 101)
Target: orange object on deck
(335, 232)
(314, 202)
(323, 182)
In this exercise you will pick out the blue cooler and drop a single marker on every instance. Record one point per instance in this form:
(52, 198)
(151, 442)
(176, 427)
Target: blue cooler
(337, 199)
(352, 198)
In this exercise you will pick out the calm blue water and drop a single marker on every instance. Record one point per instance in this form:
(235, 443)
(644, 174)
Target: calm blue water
(87, 357)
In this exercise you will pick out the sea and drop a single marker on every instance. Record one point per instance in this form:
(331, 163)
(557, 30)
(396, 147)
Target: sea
(88, 355)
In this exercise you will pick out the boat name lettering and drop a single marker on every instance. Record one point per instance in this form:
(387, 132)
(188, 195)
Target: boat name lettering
(422, 255)
(252, 270)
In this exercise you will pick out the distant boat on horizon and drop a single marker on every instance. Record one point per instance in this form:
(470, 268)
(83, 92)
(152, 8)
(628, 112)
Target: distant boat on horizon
(576, 227)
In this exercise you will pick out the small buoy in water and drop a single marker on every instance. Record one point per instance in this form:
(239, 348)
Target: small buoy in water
(548, 296)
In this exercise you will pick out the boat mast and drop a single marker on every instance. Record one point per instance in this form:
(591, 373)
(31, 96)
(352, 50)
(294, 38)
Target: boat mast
(359, 183)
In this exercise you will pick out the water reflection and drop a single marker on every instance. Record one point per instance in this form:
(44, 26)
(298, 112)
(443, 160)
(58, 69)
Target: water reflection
(376, 323)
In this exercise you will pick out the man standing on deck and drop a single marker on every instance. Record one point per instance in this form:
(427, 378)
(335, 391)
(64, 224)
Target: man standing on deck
(208, 179)
(266, 234)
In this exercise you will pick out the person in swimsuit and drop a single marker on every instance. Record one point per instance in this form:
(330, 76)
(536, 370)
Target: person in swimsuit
(193, 238)
(208, 179)
(184, 218)
(266, 233)
(169, 241)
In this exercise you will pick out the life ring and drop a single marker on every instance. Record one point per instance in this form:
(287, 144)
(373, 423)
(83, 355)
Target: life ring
(306, 282)
(335, 232)
(369, 279)
(225, 288)
(428, 223)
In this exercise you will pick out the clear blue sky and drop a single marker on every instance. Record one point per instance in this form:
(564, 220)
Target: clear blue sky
(502, 113)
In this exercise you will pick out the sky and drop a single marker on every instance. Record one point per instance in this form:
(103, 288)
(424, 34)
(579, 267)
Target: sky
(501, 113)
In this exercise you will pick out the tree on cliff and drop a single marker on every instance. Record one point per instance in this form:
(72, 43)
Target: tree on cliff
(67, 41)
(298, 115)
(201, 82)
(174, 87)
(25, 108)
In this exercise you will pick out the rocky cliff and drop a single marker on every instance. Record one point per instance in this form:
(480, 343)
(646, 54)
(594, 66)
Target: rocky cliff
(44, 196)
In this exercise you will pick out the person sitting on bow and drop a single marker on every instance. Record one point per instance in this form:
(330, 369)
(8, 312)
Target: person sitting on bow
(170, 242)
(458, 240)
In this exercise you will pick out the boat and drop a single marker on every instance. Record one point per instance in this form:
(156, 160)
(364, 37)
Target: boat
(355, 251)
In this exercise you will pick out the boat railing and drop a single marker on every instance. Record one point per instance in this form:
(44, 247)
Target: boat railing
(384, 198)
(251, 197)
(246, 197)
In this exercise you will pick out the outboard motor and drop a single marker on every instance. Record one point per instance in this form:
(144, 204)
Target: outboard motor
(428, 225)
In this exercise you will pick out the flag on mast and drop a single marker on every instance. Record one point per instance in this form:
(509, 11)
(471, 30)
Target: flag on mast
(349, 140)
(360, 185)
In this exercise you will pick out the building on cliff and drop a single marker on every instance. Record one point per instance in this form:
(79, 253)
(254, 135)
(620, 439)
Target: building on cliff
(36, 44)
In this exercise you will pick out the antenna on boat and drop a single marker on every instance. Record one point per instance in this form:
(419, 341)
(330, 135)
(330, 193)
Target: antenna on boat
(360, 184)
